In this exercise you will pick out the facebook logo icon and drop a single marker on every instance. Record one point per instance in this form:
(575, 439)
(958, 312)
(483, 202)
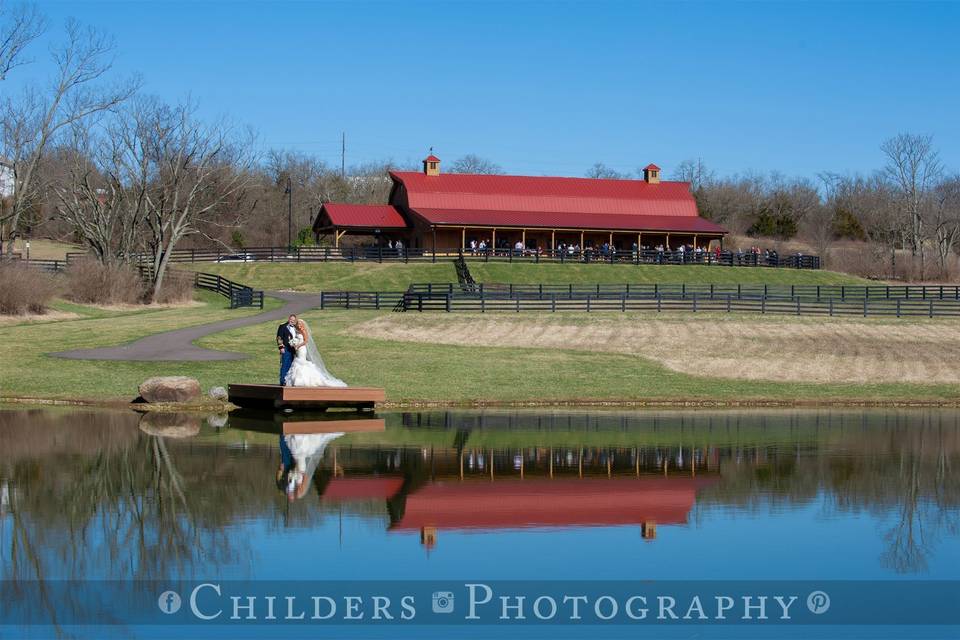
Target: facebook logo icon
(169, 602)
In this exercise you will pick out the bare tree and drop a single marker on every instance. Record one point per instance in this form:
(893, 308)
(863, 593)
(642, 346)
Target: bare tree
(602, 171)
(193, 170)
(33, 121)
(693, 171)
(472, 163)
(103, 193)
(913, 167)
(19, 26)
(945, 219)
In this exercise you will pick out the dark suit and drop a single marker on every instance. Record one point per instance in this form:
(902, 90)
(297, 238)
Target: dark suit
(286, 356)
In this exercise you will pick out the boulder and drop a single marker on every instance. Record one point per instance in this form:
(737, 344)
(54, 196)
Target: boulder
(170, 425)
(170, 389)
(218, 393)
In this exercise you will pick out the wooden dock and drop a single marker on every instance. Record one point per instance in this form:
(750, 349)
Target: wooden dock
(269, 421)
(274, 396)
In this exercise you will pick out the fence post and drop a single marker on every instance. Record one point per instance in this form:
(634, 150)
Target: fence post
(831, 307)
(864, 307)
(483, 304)
(898, 307)
(322, 300)
(553, 302)
(658, 304)
(448, 303)
(728, 303)
(588, 303)
(694, 302)
(380, 254)
(798, 305)
(376, 300)
(931, 307)
(763, 304)
(623, 303)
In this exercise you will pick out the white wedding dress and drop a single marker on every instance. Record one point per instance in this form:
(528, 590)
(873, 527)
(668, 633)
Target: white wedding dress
(307, 369)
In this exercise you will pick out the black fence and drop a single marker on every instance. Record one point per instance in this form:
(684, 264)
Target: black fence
(239, 295)
(704, 291)
(386, 254)
(867, 301)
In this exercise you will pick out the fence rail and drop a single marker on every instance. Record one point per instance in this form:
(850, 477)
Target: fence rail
(239, 295)
(385, 254)
(738, 291)
(453, 302)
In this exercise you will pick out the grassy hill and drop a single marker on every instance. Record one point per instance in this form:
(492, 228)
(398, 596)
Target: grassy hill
(327, 276)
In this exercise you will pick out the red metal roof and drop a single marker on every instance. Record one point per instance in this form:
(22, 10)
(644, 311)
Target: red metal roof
(548, 202)
(373, 216)
(652, 167)
(545, 194)
(365, 488)
(550, 503)
(568, 220)
(431, 158)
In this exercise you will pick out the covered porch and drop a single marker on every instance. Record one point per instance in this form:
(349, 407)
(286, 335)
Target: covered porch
(383, 224)
(550, 241)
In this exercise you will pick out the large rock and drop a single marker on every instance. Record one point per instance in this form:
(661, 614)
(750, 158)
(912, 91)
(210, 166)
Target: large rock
(170, 389)
(170, 425)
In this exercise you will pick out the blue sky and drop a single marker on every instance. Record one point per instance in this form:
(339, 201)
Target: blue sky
(550, 87)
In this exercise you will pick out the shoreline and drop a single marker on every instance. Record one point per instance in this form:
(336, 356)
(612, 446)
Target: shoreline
(214, 406)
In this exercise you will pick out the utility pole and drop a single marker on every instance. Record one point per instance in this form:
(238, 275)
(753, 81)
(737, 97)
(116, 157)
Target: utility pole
(343, 154)
(289, 193)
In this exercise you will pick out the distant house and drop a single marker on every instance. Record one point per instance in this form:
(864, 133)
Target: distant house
(430, 210)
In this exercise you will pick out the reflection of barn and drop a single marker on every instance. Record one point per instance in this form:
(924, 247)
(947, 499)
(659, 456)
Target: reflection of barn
(472, 489)
(431, 210)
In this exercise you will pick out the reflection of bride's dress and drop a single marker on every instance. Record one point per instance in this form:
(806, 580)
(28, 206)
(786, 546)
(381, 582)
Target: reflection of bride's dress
(305, 451)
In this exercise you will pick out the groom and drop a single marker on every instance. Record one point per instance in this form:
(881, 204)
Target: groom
(285, 332)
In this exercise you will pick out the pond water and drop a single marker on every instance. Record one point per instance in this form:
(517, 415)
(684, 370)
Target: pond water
(537, 499)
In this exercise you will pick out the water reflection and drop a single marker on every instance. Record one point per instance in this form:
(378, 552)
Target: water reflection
(97, 494)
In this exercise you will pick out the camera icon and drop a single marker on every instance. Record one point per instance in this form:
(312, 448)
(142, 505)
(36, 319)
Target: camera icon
(443, 602)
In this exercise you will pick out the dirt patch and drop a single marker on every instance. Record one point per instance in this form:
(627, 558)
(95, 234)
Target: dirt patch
(803, 350)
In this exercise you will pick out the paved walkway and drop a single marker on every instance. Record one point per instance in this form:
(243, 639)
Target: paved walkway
(178, 344)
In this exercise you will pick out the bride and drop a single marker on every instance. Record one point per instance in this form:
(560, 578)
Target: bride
(307, 369)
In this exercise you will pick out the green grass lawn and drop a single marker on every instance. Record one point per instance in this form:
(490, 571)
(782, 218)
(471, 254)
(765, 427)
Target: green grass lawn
(27, 371)
(329, 276)
(408, 371)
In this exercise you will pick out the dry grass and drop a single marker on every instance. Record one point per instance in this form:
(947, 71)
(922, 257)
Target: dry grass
(813, 350)
(91, 282)
(32, 318)
(24, 290)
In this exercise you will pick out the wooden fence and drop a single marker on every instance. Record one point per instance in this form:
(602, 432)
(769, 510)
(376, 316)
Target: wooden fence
(239, 295)
(384, 254)
(553, 302)
(704, 291)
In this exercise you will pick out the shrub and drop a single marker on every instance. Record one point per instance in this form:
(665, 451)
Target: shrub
(177, 287)
(92, 282)
(24, 289)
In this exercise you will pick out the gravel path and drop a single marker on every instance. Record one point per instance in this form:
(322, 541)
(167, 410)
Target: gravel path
(178, 344)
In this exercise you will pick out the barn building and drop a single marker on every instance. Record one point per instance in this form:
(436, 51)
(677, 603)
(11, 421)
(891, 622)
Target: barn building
(435, 211)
